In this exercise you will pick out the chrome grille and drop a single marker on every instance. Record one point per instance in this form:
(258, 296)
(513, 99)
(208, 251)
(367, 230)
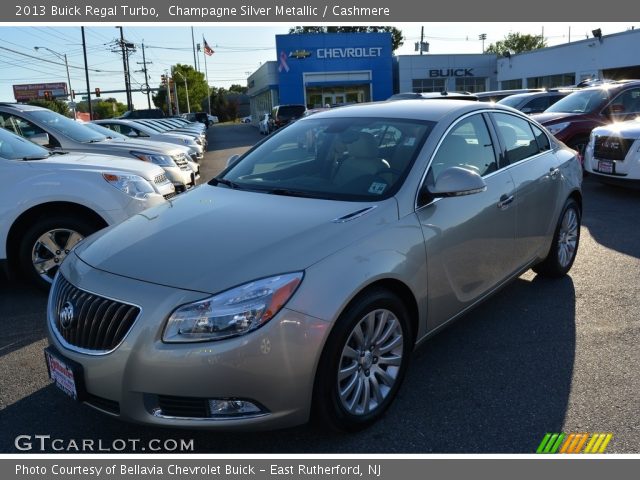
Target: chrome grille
(611, 147)
(97, 324)
(181, 161)
(169, 195)
(160, 179)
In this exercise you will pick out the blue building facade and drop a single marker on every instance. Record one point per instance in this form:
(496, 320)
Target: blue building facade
(334, 68)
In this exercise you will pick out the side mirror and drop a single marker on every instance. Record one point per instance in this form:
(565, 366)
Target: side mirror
(455, 182)
(41, 139)
(527, 110)
(232, 160)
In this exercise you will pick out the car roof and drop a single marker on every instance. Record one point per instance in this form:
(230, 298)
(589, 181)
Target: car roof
(23, 107)
(433, 110)
(433, 95)
(564, 91)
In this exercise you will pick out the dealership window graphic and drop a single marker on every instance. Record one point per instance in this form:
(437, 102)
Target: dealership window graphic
(317, 70)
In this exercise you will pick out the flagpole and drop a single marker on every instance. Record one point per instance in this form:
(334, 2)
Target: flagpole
(206, 74)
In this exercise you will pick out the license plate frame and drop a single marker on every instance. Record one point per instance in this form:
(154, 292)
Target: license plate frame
(606, 166)
(67, 375)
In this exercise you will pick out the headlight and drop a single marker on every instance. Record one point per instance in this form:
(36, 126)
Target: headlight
(558, 127)
(158, 159)
(231, 313)
(133, 185)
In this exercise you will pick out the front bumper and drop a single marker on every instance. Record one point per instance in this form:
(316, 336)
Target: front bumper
(273, 367)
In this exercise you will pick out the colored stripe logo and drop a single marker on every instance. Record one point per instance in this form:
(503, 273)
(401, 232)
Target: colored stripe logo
(574, 443)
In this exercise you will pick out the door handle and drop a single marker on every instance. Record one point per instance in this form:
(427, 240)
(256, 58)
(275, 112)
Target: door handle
(505, 201)
(553, 172)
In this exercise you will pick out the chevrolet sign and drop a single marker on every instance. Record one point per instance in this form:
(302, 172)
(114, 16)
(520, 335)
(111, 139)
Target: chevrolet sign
(300, 54)
(349, 52)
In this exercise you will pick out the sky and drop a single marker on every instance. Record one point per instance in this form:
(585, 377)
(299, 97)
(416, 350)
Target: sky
(239, 50)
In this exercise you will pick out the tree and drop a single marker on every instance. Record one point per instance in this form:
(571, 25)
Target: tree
(396, 35)
(55, 105)
(196, 84)
(238, 88)
(102, 108)
(517, 43)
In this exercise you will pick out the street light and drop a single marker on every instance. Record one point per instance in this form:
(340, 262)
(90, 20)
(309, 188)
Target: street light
(186, 89)
(63, 56)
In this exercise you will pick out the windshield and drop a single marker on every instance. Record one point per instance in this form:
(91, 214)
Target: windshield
(105, 131)
(359, 159)
(67, 127)
(586, 101)
(512, 101)
(154, 126)
(13, 147)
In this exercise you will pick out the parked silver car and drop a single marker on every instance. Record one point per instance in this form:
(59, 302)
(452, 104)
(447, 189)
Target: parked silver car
(314, 270)
(52, 130)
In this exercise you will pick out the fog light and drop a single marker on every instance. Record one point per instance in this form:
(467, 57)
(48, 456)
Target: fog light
(232, 407)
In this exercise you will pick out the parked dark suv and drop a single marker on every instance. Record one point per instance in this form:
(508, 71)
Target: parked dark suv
(572, 118)
(143, 113)
(535, 102)
(283, 114)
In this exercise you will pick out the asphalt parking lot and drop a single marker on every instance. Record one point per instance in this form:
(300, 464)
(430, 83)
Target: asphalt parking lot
(541, 356)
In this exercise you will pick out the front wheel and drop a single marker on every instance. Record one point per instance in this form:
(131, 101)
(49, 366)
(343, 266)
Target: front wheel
(364, 362)
(564, 246)
(46, 243)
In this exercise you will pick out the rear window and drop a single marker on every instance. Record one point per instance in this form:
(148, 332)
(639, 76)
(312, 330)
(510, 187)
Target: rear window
(291, 111)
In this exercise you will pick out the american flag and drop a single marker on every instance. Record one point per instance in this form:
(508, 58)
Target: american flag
(207, 49)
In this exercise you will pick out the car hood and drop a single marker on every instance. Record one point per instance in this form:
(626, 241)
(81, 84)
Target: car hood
(555, 117)
(629, 129)
(101, 163)
(214, 238)
(147, 146)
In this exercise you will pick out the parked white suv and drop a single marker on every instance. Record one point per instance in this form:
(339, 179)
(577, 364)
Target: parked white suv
(612, 153)
(49, 201)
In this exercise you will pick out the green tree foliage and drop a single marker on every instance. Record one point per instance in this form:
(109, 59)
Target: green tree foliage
(396, 35)
(56, 105)
(238, 88)
(103, 108)
(517, 43)
(196, 84)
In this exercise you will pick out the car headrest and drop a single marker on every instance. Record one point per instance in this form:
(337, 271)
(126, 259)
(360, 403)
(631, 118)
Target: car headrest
(365, 146)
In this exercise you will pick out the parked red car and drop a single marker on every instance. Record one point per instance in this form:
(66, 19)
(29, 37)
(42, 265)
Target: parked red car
(571, 119)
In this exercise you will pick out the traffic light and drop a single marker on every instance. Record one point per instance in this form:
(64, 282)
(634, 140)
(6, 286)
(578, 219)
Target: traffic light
(163, 79)
(97, 92)
(73, 94)
(48, 95)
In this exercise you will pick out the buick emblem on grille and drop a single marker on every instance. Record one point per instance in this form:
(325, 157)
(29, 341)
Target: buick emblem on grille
(66, 315)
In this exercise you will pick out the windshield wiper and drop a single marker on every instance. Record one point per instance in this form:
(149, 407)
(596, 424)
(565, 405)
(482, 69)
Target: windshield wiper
(295, 193)
(34, 157)
(226, 182)
(57, 152)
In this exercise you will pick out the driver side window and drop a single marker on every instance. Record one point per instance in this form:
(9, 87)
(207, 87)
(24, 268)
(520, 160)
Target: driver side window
(467, 145)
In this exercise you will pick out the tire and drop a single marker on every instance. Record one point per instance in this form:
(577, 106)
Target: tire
(564, 246)
(47, 242)
(372, 374)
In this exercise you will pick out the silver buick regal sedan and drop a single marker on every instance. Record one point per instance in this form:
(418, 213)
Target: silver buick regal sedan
(320, 259)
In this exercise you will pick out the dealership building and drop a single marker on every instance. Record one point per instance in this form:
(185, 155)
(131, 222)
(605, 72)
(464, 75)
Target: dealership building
(320, 69)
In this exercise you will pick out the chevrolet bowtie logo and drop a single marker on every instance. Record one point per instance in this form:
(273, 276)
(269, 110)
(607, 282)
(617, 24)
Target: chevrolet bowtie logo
(300, 54)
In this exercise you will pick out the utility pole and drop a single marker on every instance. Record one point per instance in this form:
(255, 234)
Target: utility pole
(483, 37)
(186, 88)
(124, 66)
(168, 93)
(86, 73)
(175, 95)
(146, 76)
(193, 42)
